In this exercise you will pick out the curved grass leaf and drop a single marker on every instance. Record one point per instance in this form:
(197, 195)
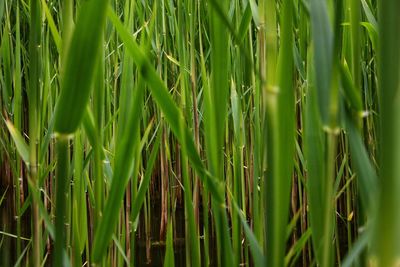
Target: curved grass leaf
(164, 100)
(52, 26)
(22, 147)
(349, 88)
(144, 185)
(359, 245)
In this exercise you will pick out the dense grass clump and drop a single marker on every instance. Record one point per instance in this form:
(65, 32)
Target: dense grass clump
(199, 133)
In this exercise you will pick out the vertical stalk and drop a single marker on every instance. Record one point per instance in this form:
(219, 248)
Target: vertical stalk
(387, 229)
(61, 197)
(196, 191)
(17, 123)
(257, 141)
(215, 121)
(98, 106)
(279, 131)
(355, 42)
(33, 99)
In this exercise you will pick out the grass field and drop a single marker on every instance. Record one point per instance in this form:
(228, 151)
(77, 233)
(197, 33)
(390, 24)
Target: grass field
(200, 133)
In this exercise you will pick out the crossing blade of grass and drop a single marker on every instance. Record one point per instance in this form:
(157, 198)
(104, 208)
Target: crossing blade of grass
(20, 259)
(144, 185)
(123, 168)
(372, 33)
(172, 113)
(52, 25)
(90, 128)
(366, 173)
(295, 251)
(387, 230)
(255, 248)
(350, 91)
(79, 66)
(358, 246)
(19, 141)
(120, 249)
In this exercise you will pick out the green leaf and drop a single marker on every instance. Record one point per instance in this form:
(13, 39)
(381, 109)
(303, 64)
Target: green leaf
(370, 16)
(280, 134)
(22, 147)
(372, 33)
(144, 185)
(350, 90)
(52, 26)
(169, 254)
(79, 67)
(386, 245)
(322, 37)
(366, 174)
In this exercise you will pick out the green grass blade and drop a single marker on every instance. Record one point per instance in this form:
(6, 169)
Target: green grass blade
(370, 16)
(61, 205)
(387, 232)
(52, 25)
(349, 88)
(19, 141)
(358, 247)
(316, 167)
(79, 67)
(255, 248)
(366, 173)
(322, 36)
(281, 146)
(169, 254)
(144, 185)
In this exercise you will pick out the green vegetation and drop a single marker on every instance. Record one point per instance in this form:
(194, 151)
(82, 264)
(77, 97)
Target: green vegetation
(199, 133)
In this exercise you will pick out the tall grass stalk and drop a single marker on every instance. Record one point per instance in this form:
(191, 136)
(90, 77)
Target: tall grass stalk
(387, 230)
(35, 43)
(280, 136)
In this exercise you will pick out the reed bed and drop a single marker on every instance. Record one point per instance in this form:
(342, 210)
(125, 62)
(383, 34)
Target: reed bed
(199, 133)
